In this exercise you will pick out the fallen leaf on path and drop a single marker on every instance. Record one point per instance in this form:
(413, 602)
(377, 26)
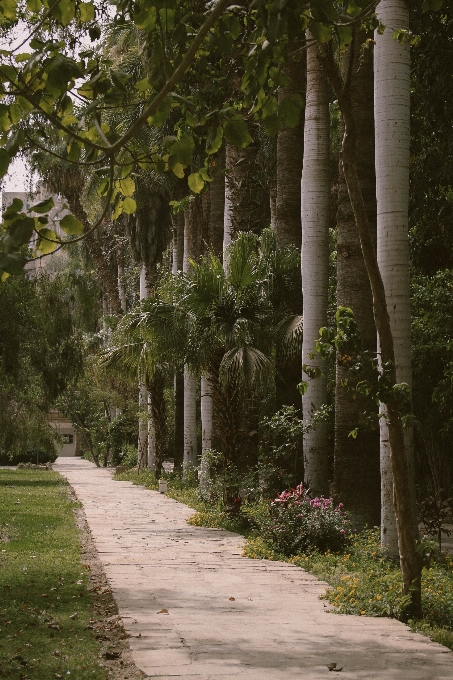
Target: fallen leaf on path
(163, 611)
(333, 667)
(232, 598)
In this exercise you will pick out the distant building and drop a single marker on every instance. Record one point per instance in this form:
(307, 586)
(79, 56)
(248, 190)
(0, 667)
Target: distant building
(71, 438)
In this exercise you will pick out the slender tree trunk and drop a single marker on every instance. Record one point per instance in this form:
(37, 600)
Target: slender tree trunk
(290, 156)
(158, 419)
(410, 559)
(206, 429)
(392, 119)
(193, 220)
(143, 449)
(217, 204)
(315, 262)
(356, 478)
(178, 435)
(178, 432)
(246, 199)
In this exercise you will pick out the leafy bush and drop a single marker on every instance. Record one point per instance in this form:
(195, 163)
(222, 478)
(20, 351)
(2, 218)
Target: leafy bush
(298, 523)
(280, 459)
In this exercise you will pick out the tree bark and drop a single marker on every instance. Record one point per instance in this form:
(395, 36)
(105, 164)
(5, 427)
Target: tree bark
(410, 560)
(217, 204)
(392, 120)
(356, 480)
(315, 262)
(193, 223)
(290, 157)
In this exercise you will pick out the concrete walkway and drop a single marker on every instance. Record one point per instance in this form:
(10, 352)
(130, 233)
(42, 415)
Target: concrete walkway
(229, 616)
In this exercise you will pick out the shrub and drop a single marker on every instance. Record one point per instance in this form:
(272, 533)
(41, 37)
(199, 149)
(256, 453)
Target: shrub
(298, 523)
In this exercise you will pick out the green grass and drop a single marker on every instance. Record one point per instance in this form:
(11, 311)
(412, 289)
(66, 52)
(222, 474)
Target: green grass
(42, 583)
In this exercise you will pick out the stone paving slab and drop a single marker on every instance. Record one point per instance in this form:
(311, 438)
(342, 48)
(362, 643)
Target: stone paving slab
(275, 628)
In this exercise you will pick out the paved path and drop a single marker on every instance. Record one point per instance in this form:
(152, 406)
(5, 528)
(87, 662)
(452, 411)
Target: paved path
(275, 628)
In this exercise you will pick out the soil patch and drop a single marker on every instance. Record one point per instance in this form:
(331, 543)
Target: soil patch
(106, 624)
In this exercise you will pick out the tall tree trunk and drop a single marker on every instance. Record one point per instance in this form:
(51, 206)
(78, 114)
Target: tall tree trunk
(206, 429)
(158, 419)
(249, 203)
(356, 480)
(392, 120)
(290, 157)
(178, 404)
(217, 204)
(193, 221)
(143, 444)
(410, 559)
(288, 221)
(315, 261)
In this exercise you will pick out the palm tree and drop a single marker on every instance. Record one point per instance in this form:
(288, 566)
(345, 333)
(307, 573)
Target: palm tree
(358, 490)
(392, 121)
(315, 261)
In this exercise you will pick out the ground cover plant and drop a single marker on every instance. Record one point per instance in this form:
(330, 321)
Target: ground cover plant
(45, 607)
(363, 579)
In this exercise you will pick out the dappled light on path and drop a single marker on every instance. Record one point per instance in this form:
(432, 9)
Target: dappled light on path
(196, 609)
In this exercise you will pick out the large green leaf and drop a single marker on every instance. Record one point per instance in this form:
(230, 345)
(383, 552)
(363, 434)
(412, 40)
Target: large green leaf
(47, 242)
(43, 206)
(13, 263)
(86, 10)
(237, 133)
(290, 109)
(196, 182)
(71, 225)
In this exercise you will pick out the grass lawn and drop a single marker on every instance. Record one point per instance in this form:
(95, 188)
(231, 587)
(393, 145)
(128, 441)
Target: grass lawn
(363, 580)
(45, 606)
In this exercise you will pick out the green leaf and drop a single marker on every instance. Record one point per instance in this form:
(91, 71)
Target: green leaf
(196, 182)
(47, 242)
(178, 170)
(86, 12)
(302, 387)
(143, 85)
(24, 104)
(214, 141)
(5, 159)
(181, 151)
(434, 5)
(8, 7)
(129, 206)
(71, 225)
(20, 232)
(344, 35)
(13, 263)
(64, 11)
(272, 125)
(353, 8)
(126, 186)
(15, 113)
(205, 175)
(191, 120)
(34, 6)
(290, 109)
(43, 206)
(237, 133)
(146, 19)
(320, 31)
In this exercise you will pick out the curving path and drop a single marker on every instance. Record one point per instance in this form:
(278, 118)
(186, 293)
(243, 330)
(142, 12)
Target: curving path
(229, 616)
